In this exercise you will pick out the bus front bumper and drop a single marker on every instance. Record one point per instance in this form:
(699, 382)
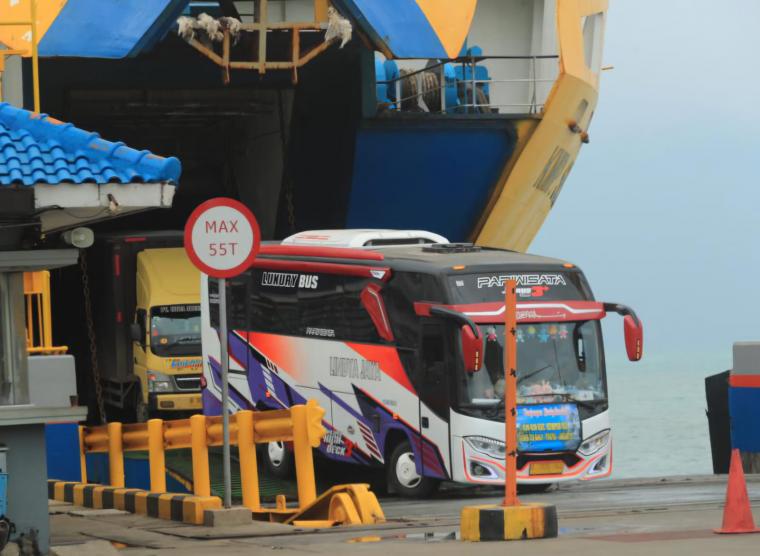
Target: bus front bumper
(176, 402)
(476, 467)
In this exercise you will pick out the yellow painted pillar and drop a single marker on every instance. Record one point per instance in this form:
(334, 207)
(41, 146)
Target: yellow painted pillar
(115, 455)
(156, 455)
(249, 473)
(320, 11)
(199, 446)
(82, 456)
(307, 488)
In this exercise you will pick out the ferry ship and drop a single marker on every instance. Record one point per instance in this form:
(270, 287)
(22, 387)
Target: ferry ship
(463, 117)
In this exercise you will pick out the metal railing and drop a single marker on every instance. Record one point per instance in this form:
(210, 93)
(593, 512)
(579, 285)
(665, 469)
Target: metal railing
(301, 425)
(39, 325)
(425, 90)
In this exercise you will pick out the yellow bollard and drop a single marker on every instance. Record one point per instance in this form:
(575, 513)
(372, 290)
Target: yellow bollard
(115, 455)
(307, 489)
(249, 473)
(156, 455)
(201, 480)
(82, 458)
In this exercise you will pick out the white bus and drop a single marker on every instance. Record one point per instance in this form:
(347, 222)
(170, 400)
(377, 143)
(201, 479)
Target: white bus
(402, 346)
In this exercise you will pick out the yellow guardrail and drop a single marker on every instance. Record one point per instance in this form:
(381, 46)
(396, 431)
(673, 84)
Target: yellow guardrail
(39, 326)
(301, 425)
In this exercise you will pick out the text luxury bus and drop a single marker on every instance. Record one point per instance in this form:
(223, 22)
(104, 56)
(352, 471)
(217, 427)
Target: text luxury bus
(385, 339)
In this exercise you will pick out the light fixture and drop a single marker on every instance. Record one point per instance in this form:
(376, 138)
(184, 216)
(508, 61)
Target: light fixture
(81, 238)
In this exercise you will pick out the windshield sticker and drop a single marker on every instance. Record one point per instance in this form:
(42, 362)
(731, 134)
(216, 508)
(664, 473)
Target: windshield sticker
(550, 427)
(543, 335)
(522, 280)
(289, 280)
(185, 363)
(168, 309)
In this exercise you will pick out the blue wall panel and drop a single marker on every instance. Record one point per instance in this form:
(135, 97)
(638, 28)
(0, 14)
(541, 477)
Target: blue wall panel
(744, 408)
(435, 178)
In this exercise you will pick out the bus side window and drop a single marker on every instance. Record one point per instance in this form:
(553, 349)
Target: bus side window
(237, 302)
(434, 391)
(213, 302)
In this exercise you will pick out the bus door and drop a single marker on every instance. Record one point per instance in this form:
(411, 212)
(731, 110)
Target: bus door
(436, 366)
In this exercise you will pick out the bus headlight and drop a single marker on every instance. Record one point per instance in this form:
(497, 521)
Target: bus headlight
(595, 443)
(489, 446)
(159, 382)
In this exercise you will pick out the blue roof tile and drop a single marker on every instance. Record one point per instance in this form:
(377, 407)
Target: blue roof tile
(35, 148)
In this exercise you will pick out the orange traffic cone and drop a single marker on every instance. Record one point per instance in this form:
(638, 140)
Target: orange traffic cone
(737, 514)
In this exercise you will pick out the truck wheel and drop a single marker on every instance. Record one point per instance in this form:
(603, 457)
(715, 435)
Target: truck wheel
(403, 477)
(279, 460)
(142, 412)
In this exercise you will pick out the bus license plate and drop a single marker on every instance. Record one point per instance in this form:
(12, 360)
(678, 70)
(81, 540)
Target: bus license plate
(546, 468)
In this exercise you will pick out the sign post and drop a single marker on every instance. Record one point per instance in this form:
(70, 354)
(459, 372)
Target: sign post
(221, 239)
(511, 520)
(510, 393)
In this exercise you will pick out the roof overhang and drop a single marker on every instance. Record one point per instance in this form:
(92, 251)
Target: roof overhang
(37, 259)
(64, 205)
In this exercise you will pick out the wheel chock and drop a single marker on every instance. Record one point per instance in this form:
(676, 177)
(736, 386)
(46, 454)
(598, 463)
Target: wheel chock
(509, 523)
(343, 510)
(341, 505)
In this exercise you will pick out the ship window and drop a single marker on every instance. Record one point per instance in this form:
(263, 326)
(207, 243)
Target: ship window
(593, 31)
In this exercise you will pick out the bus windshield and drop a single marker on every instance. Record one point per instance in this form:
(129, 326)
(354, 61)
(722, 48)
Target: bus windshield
(175, 330)
(556, 362)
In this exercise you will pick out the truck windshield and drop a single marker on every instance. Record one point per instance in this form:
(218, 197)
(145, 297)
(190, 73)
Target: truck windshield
(175, 330)
(556, 362)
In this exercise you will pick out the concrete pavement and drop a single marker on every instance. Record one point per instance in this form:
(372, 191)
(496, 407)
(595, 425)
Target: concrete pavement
(656, 516)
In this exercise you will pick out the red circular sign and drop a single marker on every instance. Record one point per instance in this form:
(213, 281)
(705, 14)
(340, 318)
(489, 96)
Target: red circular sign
(222, 237)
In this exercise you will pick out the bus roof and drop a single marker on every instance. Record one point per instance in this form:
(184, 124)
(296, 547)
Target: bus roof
(421, 258)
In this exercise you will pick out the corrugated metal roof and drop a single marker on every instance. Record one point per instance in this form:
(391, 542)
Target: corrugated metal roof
(35, 148)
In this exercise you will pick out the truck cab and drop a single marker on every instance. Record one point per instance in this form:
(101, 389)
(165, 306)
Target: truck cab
(166, 333)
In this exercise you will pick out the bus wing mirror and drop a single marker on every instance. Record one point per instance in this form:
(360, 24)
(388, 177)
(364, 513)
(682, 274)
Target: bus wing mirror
(633, 330)
(634, 337)
(135, 331)
(472, 348)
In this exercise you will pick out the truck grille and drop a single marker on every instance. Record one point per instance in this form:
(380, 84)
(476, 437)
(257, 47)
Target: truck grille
(190, 383)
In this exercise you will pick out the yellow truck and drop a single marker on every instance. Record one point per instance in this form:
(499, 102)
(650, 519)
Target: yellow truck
(145, 295)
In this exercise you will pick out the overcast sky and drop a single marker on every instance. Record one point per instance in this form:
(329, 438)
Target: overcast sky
(662, 209)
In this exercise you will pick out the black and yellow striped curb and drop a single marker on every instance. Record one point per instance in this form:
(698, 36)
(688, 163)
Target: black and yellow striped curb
(509, 523)
(186, 508)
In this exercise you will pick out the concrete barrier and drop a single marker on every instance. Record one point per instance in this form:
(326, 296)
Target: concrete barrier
(186, 508)
(509, 523)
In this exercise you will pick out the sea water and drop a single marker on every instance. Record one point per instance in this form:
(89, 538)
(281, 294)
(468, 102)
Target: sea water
(658, 413)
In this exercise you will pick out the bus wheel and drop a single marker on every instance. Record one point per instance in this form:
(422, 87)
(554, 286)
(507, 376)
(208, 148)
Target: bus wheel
(279, 460)
(403, 477)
